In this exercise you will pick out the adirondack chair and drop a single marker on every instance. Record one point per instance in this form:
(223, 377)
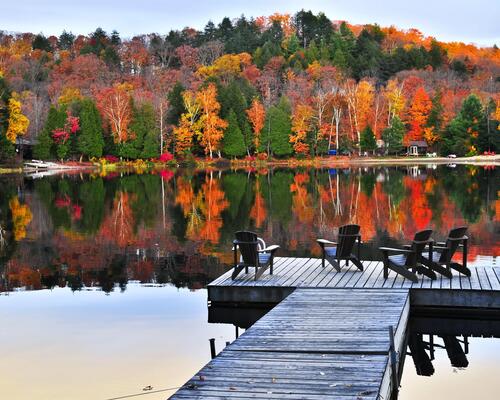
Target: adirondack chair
(334, 252)
(252, 254)
(406, 261)
(440, 260)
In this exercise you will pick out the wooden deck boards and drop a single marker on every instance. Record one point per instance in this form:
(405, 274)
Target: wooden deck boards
(307, 272)
(328, 336)
(315, 344)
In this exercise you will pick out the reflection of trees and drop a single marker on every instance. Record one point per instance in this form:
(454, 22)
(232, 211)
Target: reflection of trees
(185, 224)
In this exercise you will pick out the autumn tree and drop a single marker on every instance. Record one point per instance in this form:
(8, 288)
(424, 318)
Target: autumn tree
(189, 125)
(257, 117)
(7, 150)
(18, 123)
(418, 114)
(211, 125)
(115, 107)
(301, 126)
(359, 98)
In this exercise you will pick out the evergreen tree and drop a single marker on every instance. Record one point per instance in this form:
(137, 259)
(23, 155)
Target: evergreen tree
(40, 42)
(460, 135)
(151, 147)
(232, 98)
(368, 141)
(488, 138)
(233, 144)
(176, 104)
(90, 140)
(144, 143)
(277, 130)
(393, 136)
(7, 148)
(45, 147)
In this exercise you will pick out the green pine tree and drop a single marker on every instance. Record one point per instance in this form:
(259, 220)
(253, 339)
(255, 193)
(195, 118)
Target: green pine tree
(151, 146)
(368, 141)
(91, 140)
(233, 144)
(277, 129)
(393, 136)
(460, 135)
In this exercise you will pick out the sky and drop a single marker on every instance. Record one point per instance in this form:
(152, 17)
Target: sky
(467, 21)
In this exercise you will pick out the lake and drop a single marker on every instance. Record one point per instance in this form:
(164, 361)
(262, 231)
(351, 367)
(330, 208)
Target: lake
(102, 276)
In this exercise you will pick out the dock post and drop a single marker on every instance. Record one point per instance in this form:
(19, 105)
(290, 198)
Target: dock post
(212, 348)
(394, 360)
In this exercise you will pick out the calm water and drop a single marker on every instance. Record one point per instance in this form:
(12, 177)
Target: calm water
(102, 277)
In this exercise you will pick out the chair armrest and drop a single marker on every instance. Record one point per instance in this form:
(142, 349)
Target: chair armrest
(322, 242)
(269, 249)
(393, 250)
(441, 247)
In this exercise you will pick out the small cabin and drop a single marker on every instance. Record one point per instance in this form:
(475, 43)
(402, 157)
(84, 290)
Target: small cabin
(417, 147)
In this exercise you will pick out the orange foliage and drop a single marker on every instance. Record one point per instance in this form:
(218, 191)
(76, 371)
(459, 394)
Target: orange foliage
(417, 115)
(21, 217)
(118, 226)
(258, 212)
(301, 125)
(211, 125)
(257, 116)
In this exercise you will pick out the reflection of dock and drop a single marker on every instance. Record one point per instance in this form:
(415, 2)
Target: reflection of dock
(328, 336)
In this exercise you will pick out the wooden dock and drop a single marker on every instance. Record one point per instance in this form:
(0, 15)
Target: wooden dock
(315, 344)
(480, 290)
(328, 337)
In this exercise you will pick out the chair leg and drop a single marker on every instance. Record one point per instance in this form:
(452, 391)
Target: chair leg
(460, 268)
(386, 270)
(334, 263)
(237, 270)
(356, 262)
(271, 268)
(437, 268)
(402, 270)
(426, 271)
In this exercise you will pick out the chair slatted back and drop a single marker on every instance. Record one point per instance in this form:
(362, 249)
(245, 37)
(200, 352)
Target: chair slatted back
(346, 240)
(248, 245)
(452, 245)
(418, 245)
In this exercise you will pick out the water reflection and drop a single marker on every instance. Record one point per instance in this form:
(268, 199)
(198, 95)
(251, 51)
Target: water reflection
(453, 356)
(85, 231)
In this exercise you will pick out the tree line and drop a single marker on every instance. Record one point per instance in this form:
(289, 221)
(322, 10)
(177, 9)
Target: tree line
(276, 86)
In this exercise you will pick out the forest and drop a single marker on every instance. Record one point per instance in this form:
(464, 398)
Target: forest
(278, 86)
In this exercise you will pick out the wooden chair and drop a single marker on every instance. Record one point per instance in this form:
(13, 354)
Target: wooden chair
(252, 254)
(440, 260)
(334, 252)
(407, 261)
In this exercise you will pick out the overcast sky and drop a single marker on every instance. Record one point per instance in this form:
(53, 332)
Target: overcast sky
(475, 21)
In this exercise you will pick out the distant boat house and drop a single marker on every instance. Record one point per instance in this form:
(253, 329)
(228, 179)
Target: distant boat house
(417, 147)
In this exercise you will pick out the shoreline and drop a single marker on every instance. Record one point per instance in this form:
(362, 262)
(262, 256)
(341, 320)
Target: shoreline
(291, 163)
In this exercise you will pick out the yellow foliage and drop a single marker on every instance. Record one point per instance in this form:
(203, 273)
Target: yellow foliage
(226, 65)
(21, 217)
(69, 95)
(395, 98)
(18, 122)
